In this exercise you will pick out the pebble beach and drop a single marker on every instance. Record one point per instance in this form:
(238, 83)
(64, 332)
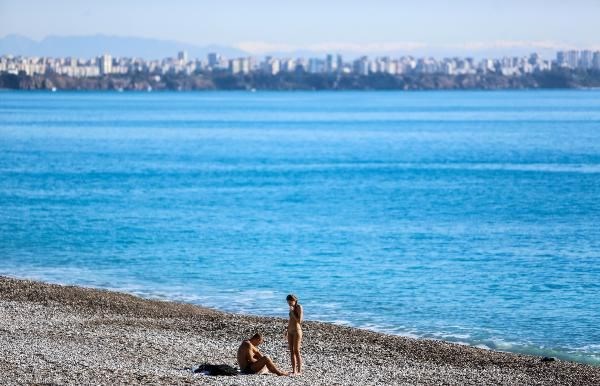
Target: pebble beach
(63, 335)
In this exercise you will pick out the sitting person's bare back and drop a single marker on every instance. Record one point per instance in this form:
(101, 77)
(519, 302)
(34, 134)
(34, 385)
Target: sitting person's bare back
(251, 360)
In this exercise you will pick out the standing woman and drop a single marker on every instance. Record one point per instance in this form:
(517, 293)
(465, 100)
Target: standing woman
(294, 333)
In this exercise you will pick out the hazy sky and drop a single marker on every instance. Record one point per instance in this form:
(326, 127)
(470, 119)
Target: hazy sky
(368, 25)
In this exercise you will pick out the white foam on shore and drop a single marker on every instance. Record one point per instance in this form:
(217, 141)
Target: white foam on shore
(341, 322)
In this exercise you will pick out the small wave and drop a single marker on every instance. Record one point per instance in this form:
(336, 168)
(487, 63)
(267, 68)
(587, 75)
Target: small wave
(341, 322)
(589, 168)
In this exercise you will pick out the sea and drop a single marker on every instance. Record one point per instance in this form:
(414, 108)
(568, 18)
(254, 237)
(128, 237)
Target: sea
(465, 216)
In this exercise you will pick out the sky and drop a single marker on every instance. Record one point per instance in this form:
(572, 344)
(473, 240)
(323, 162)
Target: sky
(262, 26)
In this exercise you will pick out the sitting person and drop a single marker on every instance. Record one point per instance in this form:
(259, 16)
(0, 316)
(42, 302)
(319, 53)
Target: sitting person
(250, 359)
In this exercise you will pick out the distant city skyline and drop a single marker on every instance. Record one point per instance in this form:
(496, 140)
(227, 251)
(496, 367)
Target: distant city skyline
(479, 28)
(332, 72)
(106, 64)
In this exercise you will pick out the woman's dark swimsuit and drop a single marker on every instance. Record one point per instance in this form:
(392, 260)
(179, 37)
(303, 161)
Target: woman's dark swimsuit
(248, 369)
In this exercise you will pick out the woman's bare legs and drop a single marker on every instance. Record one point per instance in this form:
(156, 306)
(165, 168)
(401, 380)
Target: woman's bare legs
(297, 363)
(266, 361)
(294, 344)
(291, 338)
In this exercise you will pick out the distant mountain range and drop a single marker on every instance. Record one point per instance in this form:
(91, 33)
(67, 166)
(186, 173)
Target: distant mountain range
(148, 48)
(92, 46)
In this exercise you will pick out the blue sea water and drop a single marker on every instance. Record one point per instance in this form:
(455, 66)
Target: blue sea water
(471, 217)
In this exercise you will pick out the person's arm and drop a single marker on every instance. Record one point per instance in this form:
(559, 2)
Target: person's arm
(298, 313)
(257, 355)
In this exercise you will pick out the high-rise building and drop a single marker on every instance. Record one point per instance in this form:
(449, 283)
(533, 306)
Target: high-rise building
(340, 62)
(596, 61)
(572, 58)
(316, 66)
(331, 64)
(253, 63)
(245, 65)
(239, 65)
(288, 65)
(391, 67)
(361, 66)
(182, 57)
(105, 64)
(271, 65)
(275, 66)
(214, 60)
(534, 59)
(585, 59)
(301, 64)
(561, 59)
(235, 66)
(448, 67)
(486, 65)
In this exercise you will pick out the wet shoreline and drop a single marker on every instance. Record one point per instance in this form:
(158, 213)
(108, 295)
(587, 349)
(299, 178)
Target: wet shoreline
(73, 335)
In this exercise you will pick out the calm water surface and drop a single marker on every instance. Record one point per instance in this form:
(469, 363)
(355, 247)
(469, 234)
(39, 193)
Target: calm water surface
(472, 217)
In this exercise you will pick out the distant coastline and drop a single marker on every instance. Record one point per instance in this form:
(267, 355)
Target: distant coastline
(222, 80)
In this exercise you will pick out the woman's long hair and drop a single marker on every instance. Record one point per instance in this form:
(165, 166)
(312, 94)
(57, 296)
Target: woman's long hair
(295, 299)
